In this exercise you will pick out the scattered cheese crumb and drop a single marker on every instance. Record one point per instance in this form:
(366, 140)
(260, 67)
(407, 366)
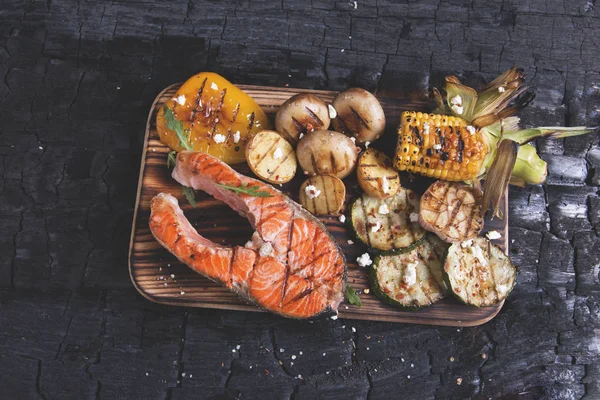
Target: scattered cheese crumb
(300, 353)
(180, 100)
(501, 89)
(312, 192)
(214, 86)
(266, 249)
(484, 356)
(41, 148)
(437, 146)
(324, 354)
(334, 317)
(183, 374)
(401, 359)
(366, 291)
(354, 329)
(493, 235)
(233, 350)
(350, 241)
(451, 359)
(367, 143)
(466, 243)
(471, 129)
(383, 209)
(414, 217)
(412, 365)
(376, 227)
(278, 153)
(456, 104)
(236, 137)
(182, 292)
(300, 136)
(238, 347)
(147, 374)
(355, 5)
(281, 350)
(408, 376)
(219, 138)
(426, 128)
(293, 356)
(342, 50)
(173, 276)
(478, 254)
(342, 218)
(458, 381)
(353, 139)
(410, 274)
(332, 111)
(299, 376)
(364, 260)
(385, 185)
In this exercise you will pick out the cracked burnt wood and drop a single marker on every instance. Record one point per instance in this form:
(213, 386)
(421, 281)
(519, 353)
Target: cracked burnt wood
(160, 277)
(78, 79)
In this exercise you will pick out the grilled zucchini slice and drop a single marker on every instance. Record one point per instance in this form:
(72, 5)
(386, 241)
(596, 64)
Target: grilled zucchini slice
(271, 157)
(479, 273)
(323, 195)
(376, 176)
(411, 280)
(386, 224)
(452, 211)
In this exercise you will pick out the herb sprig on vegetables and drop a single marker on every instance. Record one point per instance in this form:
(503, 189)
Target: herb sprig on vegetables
(249, 190)
(352, 296)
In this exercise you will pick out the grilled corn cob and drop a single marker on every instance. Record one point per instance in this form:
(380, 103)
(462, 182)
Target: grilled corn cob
(439, 146)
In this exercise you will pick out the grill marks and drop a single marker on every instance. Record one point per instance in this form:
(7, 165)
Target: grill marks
(301, 277)
(199, 105)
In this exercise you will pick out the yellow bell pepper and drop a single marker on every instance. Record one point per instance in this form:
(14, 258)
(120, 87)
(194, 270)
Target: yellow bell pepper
(219, 117)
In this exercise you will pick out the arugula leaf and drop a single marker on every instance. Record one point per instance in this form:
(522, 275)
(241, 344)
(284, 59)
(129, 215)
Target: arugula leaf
(189, 194)
(249, 190)
(352, 297)
(171, 159)
(177, 126)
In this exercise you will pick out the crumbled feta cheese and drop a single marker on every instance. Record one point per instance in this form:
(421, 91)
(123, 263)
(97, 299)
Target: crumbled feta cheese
(173, 276)
(376, 227)
(385, 185)
(478, 254)
(233, 350)
(342, 218)
(238, 347)
(312, 192)
(299, 376)
(383, 209)
(332, 111)
(466, 243)
(182, 292)
(334, 317)
(471, 129)
(501, 89)
(219, 138)
(236, 137)
(493, 235)
(353, 139)
(350, 241)
(410, 274)
(354, 329)
(183, 374)
(278, 153)
(367, 291)
(364, 260)
(293, 357)
(281, 350)
(456, 104)
(414, 217)
(266, 249)
(214, 86)
(180, 100)
(367, 143)
(426, 128)
(300, 136)
(437, 146)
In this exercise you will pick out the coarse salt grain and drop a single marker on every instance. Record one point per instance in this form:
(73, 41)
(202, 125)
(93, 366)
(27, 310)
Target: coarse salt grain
(293, 357)
(364, 260)
(278, 153)
(182, 292)
(281, 350)
(350, 241)
(342, 218)
(238, 347)
(236, 137)
(219, 138)
(173, 276)
(312, 192)
(354, 329)
(334, 317)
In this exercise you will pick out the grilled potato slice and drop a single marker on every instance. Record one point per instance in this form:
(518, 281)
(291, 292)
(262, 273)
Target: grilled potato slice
(376, 176)
(327, 152)
(323, 195)
(359, 114)
(479, 273)
(388, 225)
(301, 114)
(452, 210)
(271, 157)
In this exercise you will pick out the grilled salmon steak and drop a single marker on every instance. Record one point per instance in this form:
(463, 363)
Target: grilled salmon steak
(291, 266)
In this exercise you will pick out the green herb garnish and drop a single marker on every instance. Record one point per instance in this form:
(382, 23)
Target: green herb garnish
(249, 190)
(189, 194)
(177, 126)
(171, 159)
(352, 297)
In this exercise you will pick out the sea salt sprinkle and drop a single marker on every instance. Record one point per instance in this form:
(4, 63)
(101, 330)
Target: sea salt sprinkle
(342, 218)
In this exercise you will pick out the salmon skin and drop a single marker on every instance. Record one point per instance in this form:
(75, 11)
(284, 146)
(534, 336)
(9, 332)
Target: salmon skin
(291, 266)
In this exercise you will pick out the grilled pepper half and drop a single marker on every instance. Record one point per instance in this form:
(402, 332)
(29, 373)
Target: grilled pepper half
(217, 116)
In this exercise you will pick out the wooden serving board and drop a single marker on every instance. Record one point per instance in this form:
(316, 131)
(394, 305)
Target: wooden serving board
(160, 277)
